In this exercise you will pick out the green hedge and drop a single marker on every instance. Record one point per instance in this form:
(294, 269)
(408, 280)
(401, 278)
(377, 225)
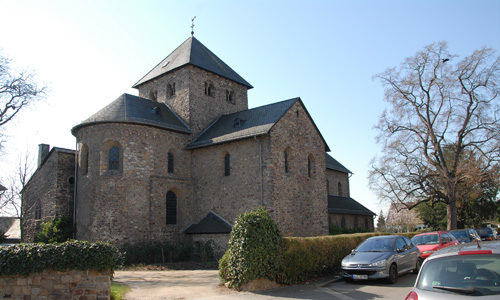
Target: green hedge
(155, 253)
(305, 258)
(24, 259)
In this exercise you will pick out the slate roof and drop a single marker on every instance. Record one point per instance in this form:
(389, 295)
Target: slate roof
(212, 223)
(245, 124)
(347, 205)
(136, 110)
(192, 52)
(333, 164)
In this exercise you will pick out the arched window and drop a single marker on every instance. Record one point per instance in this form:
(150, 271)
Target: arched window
(209, 89)
(230, 96)
(327, 187)
(342, 222)
(227, 164)
(84, 160)
(355, 221)
(171, 208)
(285, 157)
(367, 225)
(310, 165)
(38, 210)
(170, 162)
(114, 158)
(340, 189)
(171, 89)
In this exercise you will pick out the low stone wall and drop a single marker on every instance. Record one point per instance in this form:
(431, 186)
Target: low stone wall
(81, 285)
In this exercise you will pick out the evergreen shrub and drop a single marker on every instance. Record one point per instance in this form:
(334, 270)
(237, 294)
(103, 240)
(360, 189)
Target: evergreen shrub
(24, 259)
(254, 250)
(55, 231)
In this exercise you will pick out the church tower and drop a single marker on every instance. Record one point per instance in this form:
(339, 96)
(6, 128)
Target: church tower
(196, 84)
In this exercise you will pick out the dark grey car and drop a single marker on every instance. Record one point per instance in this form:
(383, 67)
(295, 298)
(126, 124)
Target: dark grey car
(381, 257)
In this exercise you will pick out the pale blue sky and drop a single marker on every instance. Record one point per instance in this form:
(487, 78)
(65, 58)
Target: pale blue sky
(326, 52)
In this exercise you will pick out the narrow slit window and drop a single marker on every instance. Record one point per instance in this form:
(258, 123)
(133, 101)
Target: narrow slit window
(170, 163)
(171, 207)
(114, 158)
(227, 164)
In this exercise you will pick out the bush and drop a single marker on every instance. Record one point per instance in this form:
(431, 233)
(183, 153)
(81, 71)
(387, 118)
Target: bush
(254, 249)
(24, 259)
(55, 231)
(155, 253)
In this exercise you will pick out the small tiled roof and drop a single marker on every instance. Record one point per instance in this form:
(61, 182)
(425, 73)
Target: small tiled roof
(333, 164)
(347, 205)
(192, 52)
(132, 109)
(212, 223)
(244, 124)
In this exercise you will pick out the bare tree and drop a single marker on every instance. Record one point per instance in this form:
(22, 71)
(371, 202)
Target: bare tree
(438, 109)
(17, 90)
(10, 200)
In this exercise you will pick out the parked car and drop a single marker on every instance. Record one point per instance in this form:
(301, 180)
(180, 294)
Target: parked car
(381, 257)
(430, 242)
(487, 234)
(465, 235)
(459, 272)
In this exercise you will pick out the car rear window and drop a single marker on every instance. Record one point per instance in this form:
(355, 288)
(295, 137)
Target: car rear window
(473, 275)
(427, 239)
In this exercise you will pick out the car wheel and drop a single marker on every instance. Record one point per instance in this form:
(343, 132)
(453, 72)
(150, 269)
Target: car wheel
(393, 274)
(417, 266)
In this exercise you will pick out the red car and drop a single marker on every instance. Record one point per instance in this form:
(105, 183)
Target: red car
(431, 242)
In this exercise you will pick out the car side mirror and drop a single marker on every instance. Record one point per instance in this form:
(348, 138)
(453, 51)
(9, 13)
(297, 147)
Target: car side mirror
(353, 251)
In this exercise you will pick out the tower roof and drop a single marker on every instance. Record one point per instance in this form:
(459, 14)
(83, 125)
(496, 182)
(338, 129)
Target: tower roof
(192, 52)
(333, 164)
(136, 110)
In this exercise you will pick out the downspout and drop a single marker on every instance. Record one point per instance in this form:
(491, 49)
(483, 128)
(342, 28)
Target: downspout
(75, 188)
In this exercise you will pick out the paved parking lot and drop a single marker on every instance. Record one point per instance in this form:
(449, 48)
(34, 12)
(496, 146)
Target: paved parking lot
(204, 284)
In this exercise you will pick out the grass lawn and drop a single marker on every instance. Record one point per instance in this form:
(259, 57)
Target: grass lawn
(118, 290)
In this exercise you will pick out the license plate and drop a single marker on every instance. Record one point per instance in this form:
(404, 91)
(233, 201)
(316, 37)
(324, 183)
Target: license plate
(354, 276)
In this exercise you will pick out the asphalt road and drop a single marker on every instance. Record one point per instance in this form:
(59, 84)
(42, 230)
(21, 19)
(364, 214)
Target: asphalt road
(372, 289)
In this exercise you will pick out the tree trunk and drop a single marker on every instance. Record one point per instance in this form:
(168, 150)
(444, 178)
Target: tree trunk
(451, 208)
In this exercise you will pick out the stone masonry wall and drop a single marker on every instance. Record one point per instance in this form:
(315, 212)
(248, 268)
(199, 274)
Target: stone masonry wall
(300, 205)
(78, 285)
(190, 102)
(128, 205)
(334, 177)
(230, 195)
(48, 190)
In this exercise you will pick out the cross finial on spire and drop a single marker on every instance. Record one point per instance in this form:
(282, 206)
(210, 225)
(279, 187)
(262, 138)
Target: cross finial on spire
(192, 26)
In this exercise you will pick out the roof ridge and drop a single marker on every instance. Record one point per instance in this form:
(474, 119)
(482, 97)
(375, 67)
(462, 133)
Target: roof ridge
(262, 106)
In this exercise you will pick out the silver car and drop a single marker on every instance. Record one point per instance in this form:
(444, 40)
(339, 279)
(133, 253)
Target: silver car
(381, 257)
(466, 271)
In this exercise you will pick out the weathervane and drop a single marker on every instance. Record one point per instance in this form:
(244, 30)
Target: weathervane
(192, 26)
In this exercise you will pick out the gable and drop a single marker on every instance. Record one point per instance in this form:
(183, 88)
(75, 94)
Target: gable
(299, 102)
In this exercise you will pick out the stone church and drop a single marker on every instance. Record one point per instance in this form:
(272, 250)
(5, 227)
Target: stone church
(185, 157)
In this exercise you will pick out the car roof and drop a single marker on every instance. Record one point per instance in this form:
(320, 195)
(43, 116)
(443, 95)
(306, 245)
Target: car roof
(432, 232)
(454, 250)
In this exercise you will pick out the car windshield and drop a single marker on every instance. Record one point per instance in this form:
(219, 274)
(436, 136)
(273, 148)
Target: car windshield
(427, 239)
(462, 234)
(474, 275)
(376, 245)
